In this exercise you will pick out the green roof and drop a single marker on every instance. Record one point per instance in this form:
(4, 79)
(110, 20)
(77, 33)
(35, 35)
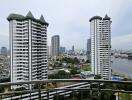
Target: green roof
(15, 16)
(95, 17)
(28, 16)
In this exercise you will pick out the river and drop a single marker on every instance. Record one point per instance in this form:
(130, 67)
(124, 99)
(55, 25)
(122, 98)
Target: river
(122, 66)
(119, 65)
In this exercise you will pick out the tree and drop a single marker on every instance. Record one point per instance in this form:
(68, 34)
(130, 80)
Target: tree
(97, 77)
(83, 60)
(74, 71)
(51, 76)
(57, 64)
(76, 61)
(107, 95)
(71, 60)
(60, 75)
(1, 89)
(88, 61)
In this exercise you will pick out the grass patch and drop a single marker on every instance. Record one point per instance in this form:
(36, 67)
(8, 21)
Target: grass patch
(86, 67)
(125, 96)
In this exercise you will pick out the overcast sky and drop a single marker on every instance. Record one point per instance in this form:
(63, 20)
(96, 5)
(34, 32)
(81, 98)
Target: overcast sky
(70, 19)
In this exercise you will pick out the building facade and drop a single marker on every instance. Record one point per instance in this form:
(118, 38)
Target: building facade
(28, 48)
(4, 51)
(100, 29)
(62, 50)
(55, 45)
(88, 53)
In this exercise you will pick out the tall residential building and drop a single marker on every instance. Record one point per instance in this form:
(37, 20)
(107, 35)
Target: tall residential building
(4, 51)
(28, 47)
(100, 29)
(88, 53)
(55, 45)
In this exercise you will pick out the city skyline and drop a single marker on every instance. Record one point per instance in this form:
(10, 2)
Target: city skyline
(65, 49)
(64, 22)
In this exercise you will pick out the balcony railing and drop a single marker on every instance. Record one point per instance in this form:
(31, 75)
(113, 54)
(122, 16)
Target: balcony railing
(68, 89)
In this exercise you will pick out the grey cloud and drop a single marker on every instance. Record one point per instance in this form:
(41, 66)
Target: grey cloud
(69, 18)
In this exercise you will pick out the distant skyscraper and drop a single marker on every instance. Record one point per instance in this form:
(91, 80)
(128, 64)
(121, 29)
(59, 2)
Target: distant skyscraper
(73, 48)
(72, 51)
(28, 48)
(4, 51)
(55, 45)
(49, 51)
(89, 49)
(62, 50)
(100, 29)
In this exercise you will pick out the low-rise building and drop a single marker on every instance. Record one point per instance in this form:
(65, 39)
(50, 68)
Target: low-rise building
(87, 75)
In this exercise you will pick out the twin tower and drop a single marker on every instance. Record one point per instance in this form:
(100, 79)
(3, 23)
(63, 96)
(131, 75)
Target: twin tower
(28, 48)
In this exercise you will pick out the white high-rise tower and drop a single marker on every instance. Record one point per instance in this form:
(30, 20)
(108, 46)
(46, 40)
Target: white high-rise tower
(28, 48)
(100, 29)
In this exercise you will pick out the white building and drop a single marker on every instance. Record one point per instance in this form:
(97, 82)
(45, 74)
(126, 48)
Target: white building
(100, 29)
(28, 47)
(87, 75)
